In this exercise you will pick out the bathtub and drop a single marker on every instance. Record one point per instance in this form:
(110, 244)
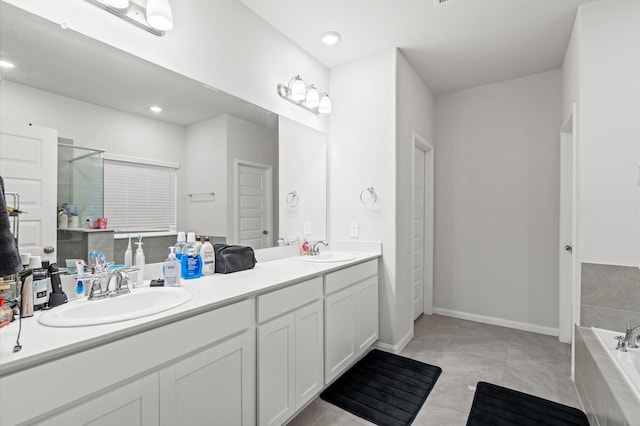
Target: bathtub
(627, 363)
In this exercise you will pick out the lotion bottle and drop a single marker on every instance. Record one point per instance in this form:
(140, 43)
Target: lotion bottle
(208, 255)
(140, 261)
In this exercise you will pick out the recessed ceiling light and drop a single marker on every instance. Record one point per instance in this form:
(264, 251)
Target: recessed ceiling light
(155, 109)
(330, 38)
(6, 64)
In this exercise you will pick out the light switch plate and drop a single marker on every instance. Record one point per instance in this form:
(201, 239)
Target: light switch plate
(353, 230)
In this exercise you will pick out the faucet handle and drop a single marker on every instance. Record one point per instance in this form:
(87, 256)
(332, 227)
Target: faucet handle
(122, 283)
(621, 346)
(95, 291)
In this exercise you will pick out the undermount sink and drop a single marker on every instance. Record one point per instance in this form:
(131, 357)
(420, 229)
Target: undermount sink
(330, 257)
(141, 302)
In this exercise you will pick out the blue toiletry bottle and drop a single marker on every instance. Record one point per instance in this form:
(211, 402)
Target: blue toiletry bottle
(191, 261)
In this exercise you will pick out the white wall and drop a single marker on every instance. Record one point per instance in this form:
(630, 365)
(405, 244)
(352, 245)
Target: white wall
(362, 153)
(205, 167)
(497, 192)
(209, 43)
(250, 142)
(91, 125)
(605, 70)
(94, 126)
(415, 112)
(302, 158)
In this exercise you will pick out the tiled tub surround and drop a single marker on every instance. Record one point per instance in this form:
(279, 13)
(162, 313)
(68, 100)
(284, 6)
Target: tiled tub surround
(610, 296)
(605, 395)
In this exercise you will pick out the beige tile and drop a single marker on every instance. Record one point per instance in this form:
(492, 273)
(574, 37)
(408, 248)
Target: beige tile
(311, 414)
(470, 352)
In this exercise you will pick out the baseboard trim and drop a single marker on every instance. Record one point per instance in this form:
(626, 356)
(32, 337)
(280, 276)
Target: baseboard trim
(397, 348)
(549, 331)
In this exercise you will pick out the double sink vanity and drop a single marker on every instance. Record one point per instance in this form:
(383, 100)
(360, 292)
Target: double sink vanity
(253, 347)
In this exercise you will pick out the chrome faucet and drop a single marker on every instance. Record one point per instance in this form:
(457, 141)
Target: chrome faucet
(630, 339)
(314, 248)
(101, 285)
(631, 336)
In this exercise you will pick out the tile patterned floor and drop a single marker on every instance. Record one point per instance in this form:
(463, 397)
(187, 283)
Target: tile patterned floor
(469, 352)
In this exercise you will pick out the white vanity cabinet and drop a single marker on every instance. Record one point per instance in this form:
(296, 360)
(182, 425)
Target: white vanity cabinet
(351, 315)
(134, 404)
(290, 350)
(200, 368)
(210, 387)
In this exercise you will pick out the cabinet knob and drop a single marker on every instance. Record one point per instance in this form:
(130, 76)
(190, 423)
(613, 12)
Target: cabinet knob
(49, 249)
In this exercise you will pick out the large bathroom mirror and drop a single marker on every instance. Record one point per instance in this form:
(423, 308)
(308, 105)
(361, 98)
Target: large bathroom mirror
(224, 150)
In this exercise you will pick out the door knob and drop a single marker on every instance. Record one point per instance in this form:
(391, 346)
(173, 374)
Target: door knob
(49, 249)
(568, 248)
(265, 232)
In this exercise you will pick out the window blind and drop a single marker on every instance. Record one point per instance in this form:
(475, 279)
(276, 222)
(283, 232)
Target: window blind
(139, 197)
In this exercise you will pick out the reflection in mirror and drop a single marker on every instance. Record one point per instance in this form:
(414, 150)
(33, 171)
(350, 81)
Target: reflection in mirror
(303, 178)
(99, 97)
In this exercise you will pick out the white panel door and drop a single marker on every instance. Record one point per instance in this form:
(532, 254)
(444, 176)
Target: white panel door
(418, 233)
(276, 399)
(211, 387)
(28, 164)
(134, 404)
(340, 329)
(309, 352)
(253, 217)
(367, 313)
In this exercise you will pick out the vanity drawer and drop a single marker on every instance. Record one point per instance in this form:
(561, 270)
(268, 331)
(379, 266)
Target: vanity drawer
(338, 280)
(278, 302)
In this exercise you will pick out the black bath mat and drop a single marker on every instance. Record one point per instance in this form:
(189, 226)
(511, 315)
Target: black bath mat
(497, 406)
(384, 388)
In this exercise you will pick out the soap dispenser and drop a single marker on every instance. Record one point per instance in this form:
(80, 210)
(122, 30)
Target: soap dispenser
(171, 270)
(140, 261)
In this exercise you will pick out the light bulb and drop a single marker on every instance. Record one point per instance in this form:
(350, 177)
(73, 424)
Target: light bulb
(155, 108)
(117, 4)
(159, 15)
(330, 38)
(313, 98)
(298, 89)
(325, 104)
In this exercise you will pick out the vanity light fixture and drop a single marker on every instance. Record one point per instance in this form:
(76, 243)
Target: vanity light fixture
(306, 97)
(156, 17)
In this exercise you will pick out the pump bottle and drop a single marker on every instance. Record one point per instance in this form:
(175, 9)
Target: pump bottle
(140, 261)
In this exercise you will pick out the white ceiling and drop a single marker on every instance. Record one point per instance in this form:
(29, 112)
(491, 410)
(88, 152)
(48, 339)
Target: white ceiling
(73, 65)
(455, 45)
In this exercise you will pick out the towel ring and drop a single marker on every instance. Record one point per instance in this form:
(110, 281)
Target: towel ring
(368, 196)
(292, 199)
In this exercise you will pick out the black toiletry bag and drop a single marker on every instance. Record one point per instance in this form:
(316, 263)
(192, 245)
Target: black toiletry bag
(233, 258)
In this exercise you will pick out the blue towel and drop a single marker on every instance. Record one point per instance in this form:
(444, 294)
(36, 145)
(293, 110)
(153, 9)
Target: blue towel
(9, 255)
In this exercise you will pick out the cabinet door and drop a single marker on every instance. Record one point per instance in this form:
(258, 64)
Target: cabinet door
(367, 314)
(276, 399)
(135, 403)
(214, 386)
(339, 320)
(309, 352)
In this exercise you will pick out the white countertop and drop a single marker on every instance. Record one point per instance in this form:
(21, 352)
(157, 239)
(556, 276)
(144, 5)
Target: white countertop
(43, 344)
